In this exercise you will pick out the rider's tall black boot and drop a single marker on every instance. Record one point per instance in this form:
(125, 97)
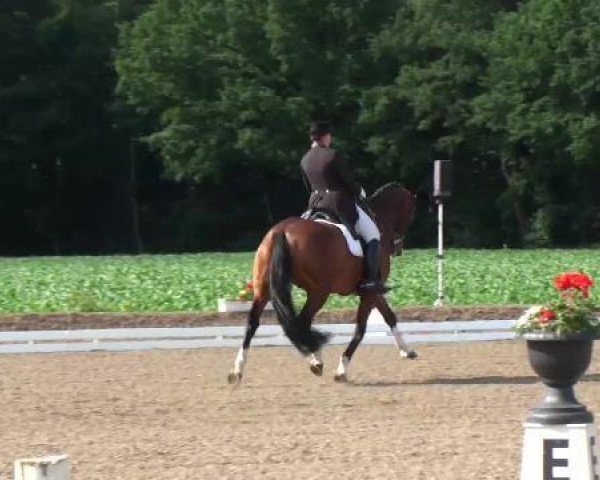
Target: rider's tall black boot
(371, 282)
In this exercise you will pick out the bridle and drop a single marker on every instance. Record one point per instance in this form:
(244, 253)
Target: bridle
(399, 231)
(398, 238)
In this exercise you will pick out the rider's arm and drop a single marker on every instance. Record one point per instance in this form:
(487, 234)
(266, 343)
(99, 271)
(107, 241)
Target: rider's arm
(346, 175)
(305, 180)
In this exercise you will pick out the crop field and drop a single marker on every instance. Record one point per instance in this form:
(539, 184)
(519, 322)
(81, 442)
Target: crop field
(194, 282)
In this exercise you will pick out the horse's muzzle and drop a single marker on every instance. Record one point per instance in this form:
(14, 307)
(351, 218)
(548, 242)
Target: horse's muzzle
(397, 246)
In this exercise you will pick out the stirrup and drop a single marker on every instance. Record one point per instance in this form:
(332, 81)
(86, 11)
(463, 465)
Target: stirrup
(372, 286)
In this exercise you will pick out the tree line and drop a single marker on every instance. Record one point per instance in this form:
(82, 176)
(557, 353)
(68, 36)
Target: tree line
(178, 125)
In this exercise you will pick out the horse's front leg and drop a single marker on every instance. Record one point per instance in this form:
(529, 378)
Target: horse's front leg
(364, 308)
(253, 321)
(390, 318)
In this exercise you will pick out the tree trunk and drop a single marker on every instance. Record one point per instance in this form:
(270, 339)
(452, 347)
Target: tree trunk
(133, 202)
(270, 217)
(55, 213)
(518, 210)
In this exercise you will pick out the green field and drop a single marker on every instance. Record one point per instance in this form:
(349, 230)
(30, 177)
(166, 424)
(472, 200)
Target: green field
(194, 282)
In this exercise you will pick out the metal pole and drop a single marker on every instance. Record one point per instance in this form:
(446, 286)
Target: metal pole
(440, 255)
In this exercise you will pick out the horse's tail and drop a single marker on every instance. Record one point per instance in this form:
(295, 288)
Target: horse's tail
(305, 339)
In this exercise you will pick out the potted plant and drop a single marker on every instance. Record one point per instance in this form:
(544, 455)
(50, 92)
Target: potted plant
(560, 337)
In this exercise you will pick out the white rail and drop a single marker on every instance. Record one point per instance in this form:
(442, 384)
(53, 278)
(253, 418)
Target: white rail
(128, 339)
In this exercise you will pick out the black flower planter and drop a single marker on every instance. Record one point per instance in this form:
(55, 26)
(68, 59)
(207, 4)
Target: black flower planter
(559, 360)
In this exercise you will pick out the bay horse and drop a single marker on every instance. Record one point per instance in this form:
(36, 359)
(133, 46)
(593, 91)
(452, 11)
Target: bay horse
(314, 257)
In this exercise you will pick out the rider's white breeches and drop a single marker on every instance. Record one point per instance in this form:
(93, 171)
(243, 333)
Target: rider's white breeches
(366, 227)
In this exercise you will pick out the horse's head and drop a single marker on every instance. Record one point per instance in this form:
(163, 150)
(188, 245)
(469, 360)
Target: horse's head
(394, 207)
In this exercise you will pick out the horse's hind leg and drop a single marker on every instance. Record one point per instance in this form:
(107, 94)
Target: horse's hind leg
(364, 308)
(390, 318)
(316, 363)
(253, 321)
(314, 302)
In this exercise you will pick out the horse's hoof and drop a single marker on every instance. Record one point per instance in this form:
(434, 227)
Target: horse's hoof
(340, 378)
(410, 355)
(317, 369)
(234, 378)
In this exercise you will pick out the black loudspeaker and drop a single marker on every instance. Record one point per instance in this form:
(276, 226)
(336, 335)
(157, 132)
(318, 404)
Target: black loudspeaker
(442, 178)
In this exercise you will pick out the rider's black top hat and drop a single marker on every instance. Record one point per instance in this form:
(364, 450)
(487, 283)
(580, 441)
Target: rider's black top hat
(319, 128)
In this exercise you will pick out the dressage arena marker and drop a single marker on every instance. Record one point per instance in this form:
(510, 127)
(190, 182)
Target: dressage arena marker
(131, 339)
(560, 436)
(560, 452)
(224, 305)
(52, 467)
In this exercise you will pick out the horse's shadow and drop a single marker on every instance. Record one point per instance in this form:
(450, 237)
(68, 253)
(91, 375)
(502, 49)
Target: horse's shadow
(487, 380)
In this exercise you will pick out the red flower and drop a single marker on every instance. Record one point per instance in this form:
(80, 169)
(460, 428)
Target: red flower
(249, 286)
(579, 281)
(546, 315)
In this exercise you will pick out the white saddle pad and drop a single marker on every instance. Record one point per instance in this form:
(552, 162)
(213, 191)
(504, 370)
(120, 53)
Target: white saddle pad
(354, 245)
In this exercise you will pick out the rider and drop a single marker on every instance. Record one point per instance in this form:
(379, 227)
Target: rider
(333, 190)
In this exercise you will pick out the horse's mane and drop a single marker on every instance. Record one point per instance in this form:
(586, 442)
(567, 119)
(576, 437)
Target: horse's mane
(384, 189)
(381, 196)
(390, 198)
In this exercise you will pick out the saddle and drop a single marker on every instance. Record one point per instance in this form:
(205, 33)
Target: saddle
(353, 241)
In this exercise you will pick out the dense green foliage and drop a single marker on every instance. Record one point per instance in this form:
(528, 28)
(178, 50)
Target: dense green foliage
(171, 283)
(177, 125)
(64, 138)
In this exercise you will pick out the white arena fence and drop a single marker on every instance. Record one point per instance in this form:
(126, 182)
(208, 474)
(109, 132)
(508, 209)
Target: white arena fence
(131, 339)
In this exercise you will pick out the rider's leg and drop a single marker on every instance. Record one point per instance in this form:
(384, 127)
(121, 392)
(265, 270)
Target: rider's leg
(369, 232)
